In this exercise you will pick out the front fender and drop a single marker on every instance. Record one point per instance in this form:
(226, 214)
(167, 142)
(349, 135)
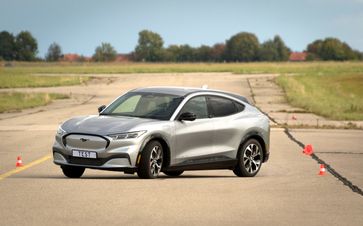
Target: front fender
(163, 141)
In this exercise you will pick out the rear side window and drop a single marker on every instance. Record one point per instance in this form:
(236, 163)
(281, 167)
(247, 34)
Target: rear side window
(240, 107)
(220, 106)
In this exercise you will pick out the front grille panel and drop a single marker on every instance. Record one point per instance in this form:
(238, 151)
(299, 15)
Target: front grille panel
(85, 142)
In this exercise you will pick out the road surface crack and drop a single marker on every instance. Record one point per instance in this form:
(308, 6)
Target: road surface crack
(340, 152)
(314, 156)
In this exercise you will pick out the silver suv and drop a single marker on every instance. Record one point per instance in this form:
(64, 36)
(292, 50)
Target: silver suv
(169, 130)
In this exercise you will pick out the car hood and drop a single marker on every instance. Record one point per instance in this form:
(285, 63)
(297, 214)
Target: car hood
(103, 125)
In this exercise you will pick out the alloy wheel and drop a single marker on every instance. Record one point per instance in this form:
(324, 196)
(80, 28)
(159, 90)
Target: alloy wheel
(252, 158)
(156, 160)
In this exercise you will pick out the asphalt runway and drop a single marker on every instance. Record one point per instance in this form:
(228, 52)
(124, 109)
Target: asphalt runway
(287, 190)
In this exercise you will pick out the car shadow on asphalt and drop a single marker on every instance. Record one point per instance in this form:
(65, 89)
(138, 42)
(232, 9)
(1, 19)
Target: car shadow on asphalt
(120, 177)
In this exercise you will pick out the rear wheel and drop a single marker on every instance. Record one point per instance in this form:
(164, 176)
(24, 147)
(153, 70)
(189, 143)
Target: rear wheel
(250, 158)
(73, 171)
(151, 160)
(174, 173)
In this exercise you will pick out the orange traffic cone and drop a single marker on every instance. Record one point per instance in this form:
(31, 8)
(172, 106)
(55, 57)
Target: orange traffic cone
(19, 163)
(308, 150)
(322, 170)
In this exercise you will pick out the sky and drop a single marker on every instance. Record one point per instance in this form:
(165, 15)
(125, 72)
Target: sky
(79, 26)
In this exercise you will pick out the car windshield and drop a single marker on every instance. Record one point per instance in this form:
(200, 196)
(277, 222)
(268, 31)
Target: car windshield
(144, 105)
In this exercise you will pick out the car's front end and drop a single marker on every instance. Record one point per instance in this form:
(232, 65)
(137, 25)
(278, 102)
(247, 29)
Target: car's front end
(112, 152)
(92, 142)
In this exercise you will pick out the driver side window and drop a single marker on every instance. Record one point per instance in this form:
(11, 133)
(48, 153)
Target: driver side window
(198, 106)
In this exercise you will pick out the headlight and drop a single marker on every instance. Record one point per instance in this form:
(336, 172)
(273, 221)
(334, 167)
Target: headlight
(60, 131)
(129, 135)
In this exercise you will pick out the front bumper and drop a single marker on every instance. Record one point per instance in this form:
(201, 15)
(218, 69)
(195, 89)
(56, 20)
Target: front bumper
(117, 155)
(117, 162)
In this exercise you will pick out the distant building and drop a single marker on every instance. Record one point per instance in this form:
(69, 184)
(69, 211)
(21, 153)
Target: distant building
(73, 57)
(298, 56)
(122, 58)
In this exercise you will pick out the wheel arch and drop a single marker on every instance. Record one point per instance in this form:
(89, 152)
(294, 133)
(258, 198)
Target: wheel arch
(257, 136)
(164, 144)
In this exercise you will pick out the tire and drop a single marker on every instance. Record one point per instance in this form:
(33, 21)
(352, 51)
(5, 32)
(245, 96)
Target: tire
(73, 171)
(174, 173)
(250, 158)
(151, 161)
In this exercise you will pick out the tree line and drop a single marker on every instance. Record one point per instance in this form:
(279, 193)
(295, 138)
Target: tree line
(241, 47)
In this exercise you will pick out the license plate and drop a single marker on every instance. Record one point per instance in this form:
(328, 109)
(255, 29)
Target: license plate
(84, 154)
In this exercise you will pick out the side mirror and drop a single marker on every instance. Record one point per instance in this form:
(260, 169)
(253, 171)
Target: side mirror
(101, 108)
(187, 116)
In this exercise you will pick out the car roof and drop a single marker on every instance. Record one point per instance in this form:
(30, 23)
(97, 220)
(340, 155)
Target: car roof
(185, 91)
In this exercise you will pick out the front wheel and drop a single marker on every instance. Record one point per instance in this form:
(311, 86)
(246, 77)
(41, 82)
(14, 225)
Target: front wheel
(73, 171)
(151, 161)
(249, 158)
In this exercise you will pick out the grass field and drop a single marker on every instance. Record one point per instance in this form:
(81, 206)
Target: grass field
(8, 80)
(338, 96)
(331, 89)
(238, 68)
(24, 75)
(15, 101)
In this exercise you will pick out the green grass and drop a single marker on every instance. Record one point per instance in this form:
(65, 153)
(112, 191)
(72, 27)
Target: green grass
(238, 68)
(14, 101)
(9, 80)
(23, 75)
(335, 96)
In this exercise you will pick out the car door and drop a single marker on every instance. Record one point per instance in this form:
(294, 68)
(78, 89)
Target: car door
(227, 135)
(193, 139)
